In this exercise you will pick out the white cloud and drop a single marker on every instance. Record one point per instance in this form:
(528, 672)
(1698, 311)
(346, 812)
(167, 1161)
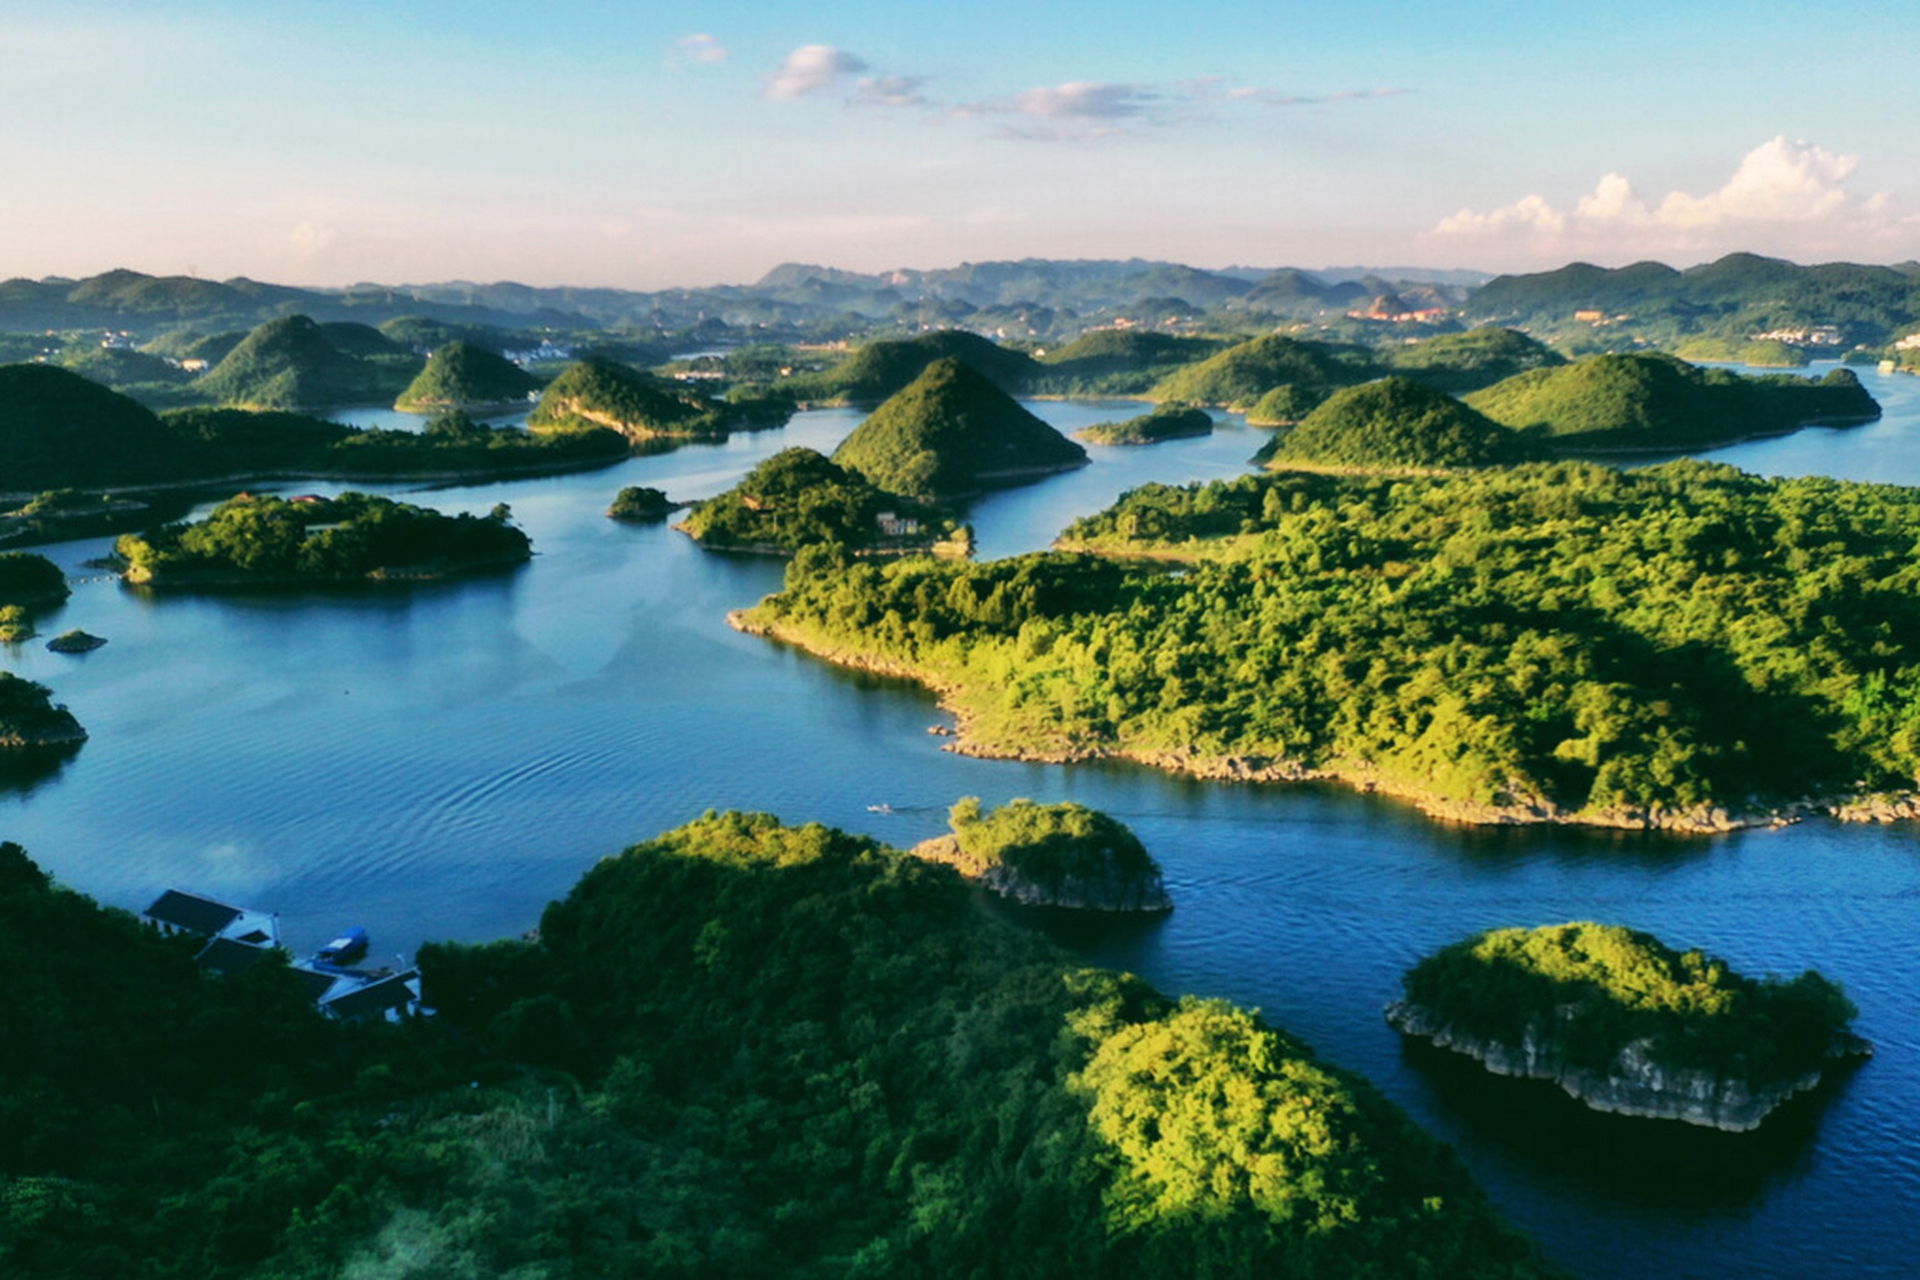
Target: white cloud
(699, 47)
(1276, 98)
(891, 91)
(1785, 197)
(810, 68)
(1081, 100)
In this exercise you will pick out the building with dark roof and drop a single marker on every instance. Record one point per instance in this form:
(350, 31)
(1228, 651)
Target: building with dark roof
(230, 957)
(177, 912)
(383, 998)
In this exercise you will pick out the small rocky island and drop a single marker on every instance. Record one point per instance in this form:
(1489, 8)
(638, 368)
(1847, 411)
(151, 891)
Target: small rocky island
(1173, 420)
(640, 504)
(75, 641)
(1050, 855)
(1627, 1024)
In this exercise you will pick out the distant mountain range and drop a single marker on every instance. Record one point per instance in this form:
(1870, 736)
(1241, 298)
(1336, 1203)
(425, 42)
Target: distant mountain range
(1041, 300)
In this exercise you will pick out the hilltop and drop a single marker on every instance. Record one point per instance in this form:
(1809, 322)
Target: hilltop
(605, 393)
(1656, 403)
(951, 433)
(1118, 362)
(798, 498)
(1462, 362)
(1733, 298)
(1396, 423)
(293, 363)
(58, 428)
(881, 369)
(1274, 378)
(460, 375)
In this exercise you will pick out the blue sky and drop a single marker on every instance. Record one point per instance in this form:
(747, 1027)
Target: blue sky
(649, 145)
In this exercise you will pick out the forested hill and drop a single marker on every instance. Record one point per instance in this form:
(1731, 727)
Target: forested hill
(739, 1049)
(1736, 296)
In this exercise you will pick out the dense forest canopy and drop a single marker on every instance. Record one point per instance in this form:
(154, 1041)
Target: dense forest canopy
(739, 1049)
(353, 536)
(1549, 641)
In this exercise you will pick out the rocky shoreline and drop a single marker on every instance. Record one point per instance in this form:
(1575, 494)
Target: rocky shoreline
(1633, 1084)
(1147, 895)
(227, 579)
(1699, 820)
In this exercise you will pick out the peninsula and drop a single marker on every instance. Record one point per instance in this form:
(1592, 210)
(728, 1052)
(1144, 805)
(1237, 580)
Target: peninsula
(1555, 643)
(1627, 1024)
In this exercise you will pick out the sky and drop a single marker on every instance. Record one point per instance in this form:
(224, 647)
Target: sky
(646, 145)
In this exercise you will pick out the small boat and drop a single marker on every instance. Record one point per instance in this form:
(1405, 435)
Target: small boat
(879, 808)
(345, 949)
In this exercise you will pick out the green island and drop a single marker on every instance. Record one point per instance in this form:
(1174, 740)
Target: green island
(461, 375)
(1050, 855)
(617, 397)
(1396, 424)
(737, 1049)
(75, 640)
(1685, 647)
(950, 434)
(641, 504)
(1170, 421)
(798, 498)
(356, 537)
(1659, 404)
(30, 720)
(1627, 1024)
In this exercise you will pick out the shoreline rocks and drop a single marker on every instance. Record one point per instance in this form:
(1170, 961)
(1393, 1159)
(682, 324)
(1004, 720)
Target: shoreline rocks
(1634, 1084)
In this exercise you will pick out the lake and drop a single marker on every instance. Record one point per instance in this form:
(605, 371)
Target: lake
(441, 761)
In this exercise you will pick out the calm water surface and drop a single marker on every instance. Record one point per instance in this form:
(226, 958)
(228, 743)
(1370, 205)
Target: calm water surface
(440, 762)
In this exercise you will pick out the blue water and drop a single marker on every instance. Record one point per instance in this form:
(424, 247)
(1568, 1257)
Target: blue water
(441, 761)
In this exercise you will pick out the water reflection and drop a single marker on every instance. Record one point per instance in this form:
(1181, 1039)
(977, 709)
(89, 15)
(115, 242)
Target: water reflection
(1667, 1165)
